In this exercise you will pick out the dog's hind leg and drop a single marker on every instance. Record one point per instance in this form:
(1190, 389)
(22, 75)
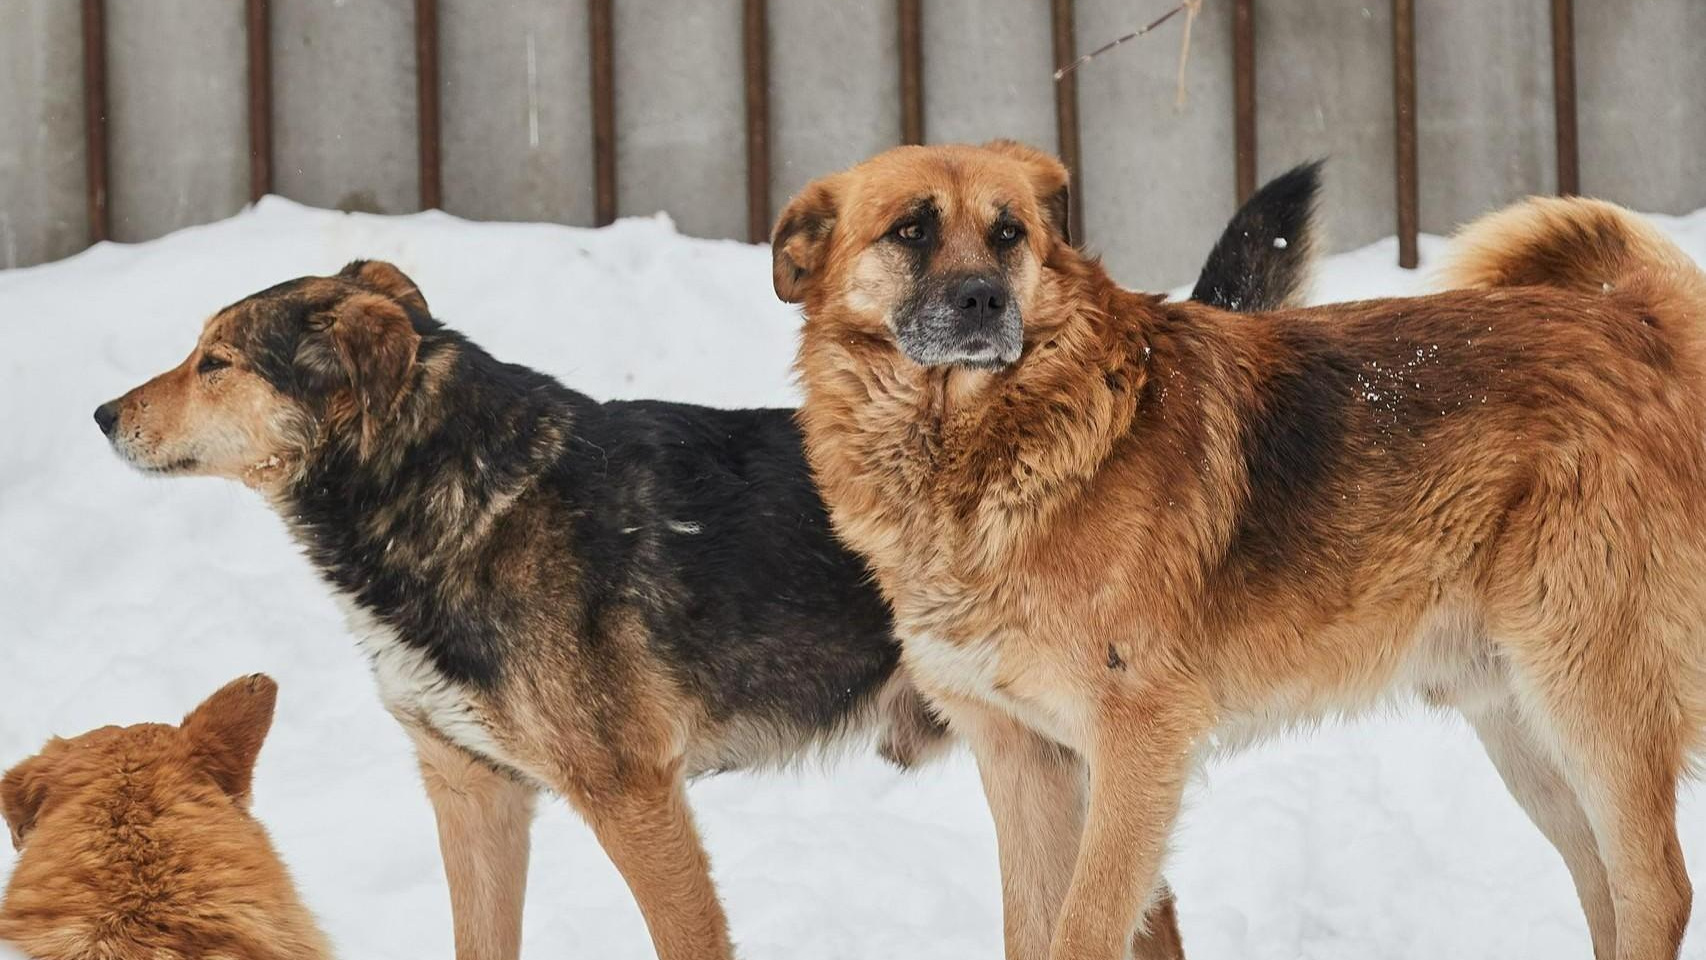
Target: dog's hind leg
(643, 822)
(1606, 698)
(1627, 769)
(1037, 791)
(484, 821)
(1534, 779)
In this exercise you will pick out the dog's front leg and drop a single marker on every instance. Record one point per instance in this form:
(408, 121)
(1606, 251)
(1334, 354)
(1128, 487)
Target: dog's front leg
(1143, 744)
(1035, 789)
(485, 820)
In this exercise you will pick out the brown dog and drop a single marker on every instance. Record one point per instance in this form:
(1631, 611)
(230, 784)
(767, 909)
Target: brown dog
(600, 600)
(1129, 531)
(137, 844)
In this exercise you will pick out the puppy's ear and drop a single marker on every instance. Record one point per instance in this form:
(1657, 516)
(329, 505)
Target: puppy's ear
(1049, 182)
(382, 277)
(23, 791)
(800, 243)
(227, 730)
(363, 348)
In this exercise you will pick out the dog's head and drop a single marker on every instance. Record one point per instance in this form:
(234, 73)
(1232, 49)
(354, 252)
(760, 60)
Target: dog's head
(217, 744)
(941, 249)
(273, 374)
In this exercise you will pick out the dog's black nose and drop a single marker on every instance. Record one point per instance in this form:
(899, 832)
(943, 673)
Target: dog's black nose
(979, 300)
(106, 416)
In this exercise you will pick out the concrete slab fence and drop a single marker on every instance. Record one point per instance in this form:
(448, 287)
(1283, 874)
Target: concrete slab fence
(126, 119)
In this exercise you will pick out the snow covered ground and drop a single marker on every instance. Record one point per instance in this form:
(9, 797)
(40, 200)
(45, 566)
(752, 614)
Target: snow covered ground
(124, 599)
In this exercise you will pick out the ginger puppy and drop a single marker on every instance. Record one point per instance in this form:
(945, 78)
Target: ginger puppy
(1119, 532)
(136, 843)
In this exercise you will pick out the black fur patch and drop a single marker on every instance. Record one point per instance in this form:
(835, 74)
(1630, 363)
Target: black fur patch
(712, 517)
(1292, 444)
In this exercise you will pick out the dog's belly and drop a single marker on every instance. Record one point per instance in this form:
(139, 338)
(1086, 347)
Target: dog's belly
(416, 693)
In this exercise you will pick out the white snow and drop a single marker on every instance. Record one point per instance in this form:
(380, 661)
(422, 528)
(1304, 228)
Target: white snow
(124, 599)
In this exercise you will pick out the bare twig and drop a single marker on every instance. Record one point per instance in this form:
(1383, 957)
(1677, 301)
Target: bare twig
(1104, 48)
(1190, 8)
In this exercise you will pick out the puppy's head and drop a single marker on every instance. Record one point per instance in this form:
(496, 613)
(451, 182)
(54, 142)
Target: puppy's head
(941, 249)
(271, 374)
(217, 745)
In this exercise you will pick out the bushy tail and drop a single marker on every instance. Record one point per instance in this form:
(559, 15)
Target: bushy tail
(1265, 257)
(1574, 243)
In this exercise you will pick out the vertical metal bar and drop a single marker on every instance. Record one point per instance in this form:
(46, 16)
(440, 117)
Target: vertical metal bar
(601, 25)
(1244, 97)
(911, 71)
(1404, 97)
(1066, 110)
(426, 102)
(756, 48)
(1564, 94)
(259, 30)
(95, 117)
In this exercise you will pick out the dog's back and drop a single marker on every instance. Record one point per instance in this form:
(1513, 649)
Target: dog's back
(136, 844)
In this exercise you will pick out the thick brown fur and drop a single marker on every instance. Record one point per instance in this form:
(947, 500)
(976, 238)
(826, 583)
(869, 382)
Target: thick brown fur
(601, 600)
(136, 843)
(1167, 529)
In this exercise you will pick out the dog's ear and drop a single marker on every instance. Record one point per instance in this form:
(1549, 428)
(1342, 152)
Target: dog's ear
(800, 242)
(1049, 181)
(23, 792)
(382, 277)
(363, 347)
(226, 732)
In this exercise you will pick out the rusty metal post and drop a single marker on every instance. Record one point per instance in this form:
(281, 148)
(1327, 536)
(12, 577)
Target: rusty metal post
(1066, 110)
(259, 30)
(601, 26)
(1564, 94)
(426, 101)
(1244, 97)
(911, 71)
(755, 44)
(95, 118)
(1404, 96)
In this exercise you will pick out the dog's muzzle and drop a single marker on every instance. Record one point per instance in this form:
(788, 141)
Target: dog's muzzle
(971, 322)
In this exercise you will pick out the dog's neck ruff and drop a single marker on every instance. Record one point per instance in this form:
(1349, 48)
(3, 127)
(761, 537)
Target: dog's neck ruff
(399, 531)
(946, 472)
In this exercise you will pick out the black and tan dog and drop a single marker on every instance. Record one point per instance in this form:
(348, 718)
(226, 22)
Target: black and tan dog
(594, 599)
(1119, 533)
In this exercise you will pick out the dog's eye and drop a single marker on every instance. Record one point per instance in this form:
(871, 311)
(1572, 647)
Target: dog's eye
(209, 363)
(1008, 233)
(909, 232)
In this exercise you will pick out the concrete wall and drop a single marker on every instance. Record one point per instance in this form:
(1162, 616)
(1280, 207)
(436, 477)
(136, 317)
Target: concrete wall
(1157, 179)
(179, 148)
(41, 132)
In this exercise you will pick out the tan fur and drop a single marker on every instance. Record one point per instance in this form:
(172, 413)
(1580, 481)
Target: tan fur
(1167, 527)
(484, 823)
(137, 844)
(599, 718)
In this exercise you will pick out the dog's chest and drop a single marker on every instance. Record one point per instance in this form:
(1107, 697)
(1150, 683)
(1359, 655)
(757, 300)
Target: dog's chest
(970, 670)
(976, 671)
(416, 692)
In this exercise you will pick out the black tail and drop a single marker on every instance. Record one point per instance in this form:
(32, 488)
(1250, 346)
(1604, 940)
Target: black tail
(1264, 258)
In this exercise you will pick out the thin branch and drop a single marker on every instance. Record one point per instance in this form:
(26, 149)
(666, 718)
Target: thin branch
(1191, 8)
(1104, 48)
